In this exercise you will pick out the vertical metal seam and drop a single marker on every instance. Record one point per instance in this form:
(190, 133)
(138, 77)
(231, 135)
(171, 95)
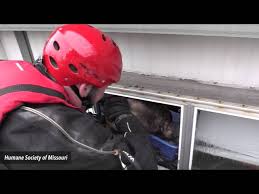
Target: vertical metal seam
(181, 146)
(186, 118)
(187, 131)
(193, 132)
(28, 45)
(24, 45)
(180, 138)
(2, 46)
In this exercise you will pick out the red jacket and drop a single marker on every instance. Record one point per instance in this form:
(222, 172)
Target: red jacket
(21, 83)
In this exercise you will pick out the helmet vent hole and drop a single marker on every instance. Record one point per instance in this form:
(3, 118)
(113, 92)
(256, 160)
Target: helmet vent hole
(104, 38)
(53, 62)
(56, 45)
(73, 68)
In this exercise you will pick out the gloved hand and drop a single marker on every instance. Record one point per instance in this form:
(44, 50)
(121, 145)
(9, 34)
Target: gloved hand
(135, 144)
(117, 112)
(114, 106)
(136, 152)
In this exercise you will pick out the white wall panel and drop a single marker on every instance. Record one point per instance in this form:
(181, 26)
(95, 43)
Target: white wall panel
(37, 40)
(225, 60)
(228, 30)
(232, 133)
(2, 51)
(10, 46)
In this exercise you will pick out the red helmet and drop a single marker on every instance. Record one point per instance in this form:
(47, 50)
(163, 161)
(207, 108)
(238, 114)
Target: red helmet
(78, 53)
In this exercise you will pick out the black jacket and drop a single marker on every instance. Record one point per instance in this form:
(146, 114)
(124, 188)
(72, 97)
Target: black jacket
(25, 131)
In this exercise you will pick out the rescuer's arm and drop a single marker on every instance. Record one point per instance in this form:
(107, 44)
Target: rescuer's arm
(135, 142)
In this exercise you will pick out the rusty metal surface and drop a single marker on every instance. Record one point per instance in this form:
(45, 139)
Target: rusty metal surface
(190, 88)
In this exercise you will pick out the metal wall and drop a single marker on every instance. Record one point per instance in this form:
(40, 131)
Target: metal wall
(2, 51)
(237, 135)
(9, 48)
(224, 60)
(37, 40)
(231, 61)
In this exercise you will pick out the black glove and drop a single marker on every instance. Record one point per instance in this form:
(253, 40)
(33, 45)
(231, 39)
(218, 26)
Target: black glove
(136, 152)
(117, 112)
(115, 109)
(115, 106)
(135, 142)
